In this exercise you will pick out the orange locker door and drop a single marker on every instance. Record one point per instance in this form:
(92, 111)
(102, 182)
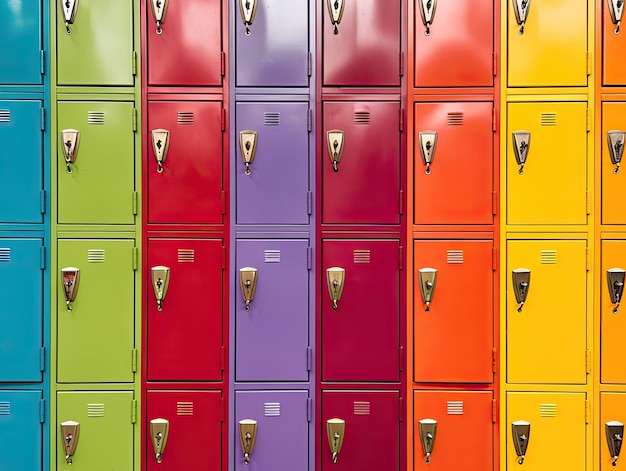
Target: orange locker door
(612, 420)
(614, 44)
(613, 176)
(613, 318)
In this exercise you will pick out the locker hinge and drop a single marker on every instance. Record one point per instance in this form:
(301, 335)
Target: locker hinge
(309, 358)
(587, 411)
(401, 123)
(309, 202)
(400, 409)
(587, 259)
(133, 411)
(589, 117)
(588, 202)
(309, 258)
(589, 63)
(42, 359)
(401, 358)
(494, 258)
(309, 64)
(222, 358)
(134, 62)
(494, 360)
(222, 409)
(223, 257)
(135, 258)
(42, 258)
(42, 411)
(223, 202)
(494, 202)
(400, 257)
(401, 202)
(495, 63)
(43, 119)
(494, 411)
(223, 63)
(310, 120)
(587, 361)
(223, 122)
(494, 120)
(401, 64)
(134, 119)
(42, 62)
(133, 360)
(42, 201)
(309, 409)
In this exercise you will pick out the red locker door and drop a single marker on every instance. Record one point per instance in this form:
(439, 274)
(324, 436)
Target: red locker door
(185, 337)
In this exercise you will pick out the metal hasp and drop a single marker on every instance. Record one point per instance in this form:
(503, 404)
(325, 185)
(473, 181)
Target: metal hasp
(615, 141)
(160, 145)
(70, 139)
(335, 430)
(615, 283)
(159, 429)
(335, 278)
(616, 8)
(335, 10)
(70, 277)
(614, 431)
(69, 9)
(247, 280)
(428, 143)
(521, 434)
(521, 284)
(247, 146)
(159, 8)
(69, 434)
(520, 8)
(427, 10)
(248, 10)
(428, 433)
(160, 282)
(427, 280)
(247, 436)
(521, 144)
(335, 138)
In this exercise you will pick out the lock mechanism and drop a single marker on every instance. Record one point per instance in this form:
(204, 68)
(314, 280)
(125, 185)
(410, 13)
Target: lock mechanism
(428, 433)
(335, 430)
(247, 280)
(159, 429)
(69, 435)
(247, 146)
(160, 145)
(616, 9)
(427, 10)
(615, 283)
(520, 8)
(69, 9)
(70, 139)
(428, 143)
(521, 144)
(160, 282)
(427, 280)
(521, 434)
(335, 10)
(70, 277)
(335, 138)
(614, 431)
(159, 8)
(247, 436)
(521, 284)
(615, 141)
(335, 278)
(248, 10)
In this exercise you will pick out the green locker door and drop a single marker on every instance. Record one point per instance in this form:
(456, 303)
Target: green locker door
(96, 339)
(100, 188)
(99, 50)
(105, 439)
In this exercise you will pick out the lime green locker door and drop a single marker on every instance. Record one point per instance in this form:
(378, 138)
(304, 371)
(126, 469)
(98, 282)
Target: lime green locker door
(551, 186)
(96, 338)
(98, 188)
(105, 435)
(546, 336)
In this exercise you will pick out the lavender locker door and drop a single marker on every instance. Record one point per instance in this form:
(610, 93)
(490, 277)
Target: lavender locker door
(272, 336)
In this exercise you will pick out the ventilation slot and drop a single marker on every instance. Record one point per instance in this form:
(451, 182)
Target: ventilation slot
(548, 257)
(361, 256)
(362, 117)
(272, 256)
(455, 119)
(95, 256)
(95, 410)
(272, 409)
(184, 408)
(185, 117)
(272, 119)
(547, 410)
(5, 255)
(548, 119)
(361, 408)
(455, 407)
(95, 117)
(5, 408)
(186, 255)
(5, 116)
(455, 256)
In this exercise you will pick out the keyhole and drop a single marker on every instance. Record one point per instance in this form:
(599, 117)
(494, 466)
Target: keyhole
(335, 155)
(159, 145)
(68, 146)
(248, 146)
(247, 284)
(428, 147)
(523, 147)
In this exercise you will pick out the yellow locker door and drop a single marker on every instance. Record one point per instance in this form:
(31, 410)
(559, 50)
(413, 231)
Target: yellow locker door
(612, 410)
(613, 325)
(613, 184)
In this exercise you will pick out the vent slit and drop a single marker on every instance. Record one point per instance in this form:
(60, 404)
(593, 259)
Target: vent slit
(5, 255)
(5, 116)
(455, 118)
(548, 119)
(186, 255)
(272, 256)
(95, 117)
(272, 409)
(185, 117)
(548, 257)
(361, 117)
(455, 256)
(362, 408)
(272, 118)
(184, 408)
(362, 256)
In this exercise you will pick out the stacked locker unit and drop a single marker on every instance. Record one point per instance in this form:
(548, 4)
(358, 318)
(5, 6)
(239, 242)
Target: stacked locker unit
(361, 233)
(24, 235)
(185, 234)
(547, 235)
(95, 256)
(453, 262)
(272, 284)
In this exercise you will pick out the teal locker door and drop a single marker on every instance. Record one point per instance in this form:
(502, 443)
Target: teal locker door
(21, 42)
(21, 443)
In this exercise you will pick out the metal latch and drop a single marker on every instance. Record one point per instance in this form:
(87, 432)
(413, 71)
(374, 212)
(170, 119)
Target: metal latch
(247, 280)
(615, 283)
(248, 10)
(521, 144)
(521, 284)
(247, 436)
(69, 9)
(427, 280)
(427, 10)
(521, 434)
(70, 277)
(615, 141)
(159, 8)
(247, 146)
(335, 10)
(69, 434)
(159, 429)
(520, 8)
(428, 144)
(335, 430)
(160, 283)
(335, 138)
(160, 146)
(616, 8)
(70, 139)
(335, 278)
(428, 433)
(614, 431)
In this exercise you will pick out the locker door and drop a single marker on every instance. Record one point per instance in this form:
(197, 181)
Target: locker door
(95, 341)
(272, 337)
(553, 186)
(105, 439)
(613, 184)
(22, 168)
(557, 422)
(372, 427)
(189, 188)
(462, 164)
(455, 412)
(195, 430)
(613, 68)
(189, 49)
(612, 325)
(556, 303)
(366, 186)
(185, 337)
(555, 32)
(457, 49)
(99, 50)
(360, 339)
(275, 53)
(21, 37)
(282, 441)
(612, 407)
(21, 311)
(461, 303)
(104, 162)
(21, 430)
(275, 191)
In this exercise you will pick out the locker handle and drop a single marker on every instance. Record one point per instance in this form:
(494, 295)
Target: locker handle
(521, 145)
(520, 8)
(521, 284)
(248, 10)
(521, 434)
(70, 277)
(616, 9)
(247, 146)
(159, 8)
(247, 281)
(428, 433)
(335, 431)
(69, 9)
(160, 146)
(335, 139)
(69, 433)
(427, 11)
(159, 430)
(615, 283)
(427, 280)
(70, 139)
(427, 144)
(614, 432)
(335, 10)
(160, 283)
(615, 141)
(335, 278)
(247, 437)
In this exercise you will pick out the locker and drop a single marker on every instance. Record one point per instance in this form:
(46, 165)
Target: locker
(371, 432)
(22, 40)
(274, 188)
(613, 68)
(189, 187)
(555, 303)
(363, 186)
(456, 413)
(551, 187)
(554, 32)
(612, 407)
(185, 48)
(613, 176)
(99, 49)
(456, 48)
(21, 341)
(105, 436)
(273, 51)
(282, 430)
(457, 186)
(461, 303)
(21, 430)
(612, 324)
(22, 168)
(361, 43)
(95, 340)
(360, 338)
(194, 436)
(272, 335)
(557, 422)
(104, 162)
(184, 338)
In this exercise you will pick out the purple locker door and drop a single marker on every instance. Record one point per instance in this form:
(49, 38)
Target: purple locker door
(272, 336)
(282, 441)
(276, 52)
(276, 189)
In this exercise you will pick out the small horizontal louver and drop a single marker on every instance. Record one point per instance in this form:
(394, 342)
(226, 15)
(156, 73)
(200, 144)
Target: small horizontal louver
(272, 119)
(95, 256)
(95, 410)
(547, 410)
(185, 117)
(362, 256)
(186, 255)
(548, 257)
(272, 256)
(184, 408)
(5, 116)
(95, 117)
(455, 119)
(455, 256)
(5, 255)
(5, 408)
(272, 409)
(455, 407)
(548, 119)
(361, 408)
(361, 117)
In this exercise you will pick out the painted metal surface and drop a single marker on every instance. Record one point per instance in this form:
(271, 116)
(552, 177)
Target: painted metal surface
(613, 67)
(612, 407)
(21, 430)
(612, 324)
(22, 40)
(612, 183)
